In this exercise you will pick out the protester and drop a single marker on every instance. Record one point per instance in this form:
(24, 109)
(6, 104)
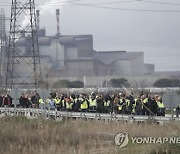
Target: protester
(143, 104)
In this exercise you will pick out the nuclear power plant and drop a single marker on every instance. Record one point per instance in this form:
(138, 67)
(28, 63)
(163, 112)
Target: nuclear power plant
(65, 56)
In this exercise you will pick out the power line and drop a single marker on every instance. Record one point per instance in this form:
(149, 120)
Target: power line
(114, 2)
(164, 3)
(47, 3)
(96, 5)
(126, 9)
(69, 1)
(127, 1)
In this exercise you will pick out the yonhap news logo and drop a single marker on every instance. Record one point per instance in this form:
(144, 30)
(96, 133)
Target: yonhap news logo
(122, 140)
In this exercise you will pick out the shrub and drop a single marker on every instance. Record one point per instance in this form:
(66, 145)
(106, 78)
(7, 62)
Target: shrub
(119, 83)
(76, 84)
(68, 84)
(166, 82)
(62, 84)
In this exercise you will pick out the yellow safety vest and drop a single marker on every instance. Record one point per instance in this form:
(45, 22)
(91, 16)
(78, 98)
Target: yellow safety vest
(134, 105)
(107, 103)
(145, 100)
(160, 104)
(92, 102)
(120, 107)
(84, 105)
(69, 105)
(127, 102)
(57, 101)
(41, 101)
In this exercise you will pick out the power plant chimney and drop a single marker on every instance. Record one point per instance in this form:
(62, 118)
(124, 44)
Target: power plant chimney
(37, 15)
(57, 19)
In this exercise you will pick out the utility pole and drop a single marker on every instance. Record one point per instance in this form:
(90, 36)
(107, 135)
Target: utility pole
(23, 66)
(3, 43)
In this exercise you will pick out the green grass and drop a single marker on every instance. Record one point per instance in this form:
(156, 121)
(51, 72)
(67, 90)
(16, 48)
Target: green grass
(19, 135)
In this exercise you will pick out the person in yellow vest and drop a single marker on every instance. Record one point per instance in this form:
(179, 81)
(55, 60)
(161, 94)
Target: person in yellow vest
(161, 107)
(57, 102)
(122, 104)
(107, 104)
(69, 105)
(41, 103)
(84, 104)
(146, 98)
(92, 103)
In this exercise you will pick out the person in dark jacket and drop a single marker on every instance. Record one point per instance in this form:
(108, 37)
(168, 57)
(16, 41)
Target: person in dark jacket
(1, 101)
(100, 104)
(153, 107)
(24, 102)
(131, 103)
(138, 106)
(177, 111)
(7, 101)
(35, 100)
(77, 103)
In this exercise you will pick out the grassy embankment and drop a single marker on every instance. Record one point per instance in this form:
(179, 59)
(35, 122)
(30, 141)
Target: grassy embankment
(19, 135)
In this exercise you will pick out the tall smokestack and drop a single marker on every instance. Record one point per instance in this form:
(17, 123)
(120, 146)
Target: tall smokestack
(37, 14)
(57, 19)
(2, 24)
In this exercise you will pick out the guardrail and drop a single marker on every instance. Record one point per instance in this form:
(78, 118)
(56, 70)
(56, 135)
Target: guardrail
(34, 113)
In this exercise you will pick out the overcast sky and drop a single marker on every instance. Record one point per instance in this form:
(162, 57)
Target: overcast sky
(151, 26)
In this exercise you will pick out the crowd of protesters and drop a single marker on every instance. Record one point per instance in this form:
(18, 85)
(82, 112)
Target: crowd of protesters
(144, 104)
(121, 103)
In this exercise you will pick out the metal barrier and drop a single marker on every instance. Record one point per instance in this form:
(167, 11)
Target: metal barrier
(35, 113)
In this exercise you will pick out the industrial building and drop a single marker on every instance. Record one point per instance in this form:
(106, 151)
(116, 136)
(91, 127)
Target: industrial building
(119, 63)
(65, 56)
(74, 56)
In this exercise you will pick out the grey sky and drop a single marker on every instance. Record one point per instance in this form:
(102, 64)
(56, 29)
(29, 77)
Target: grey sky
(157, 33)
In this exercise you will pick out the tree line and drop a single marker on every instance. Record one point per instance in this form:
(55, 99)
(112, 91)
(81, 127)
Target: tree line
(117, 83)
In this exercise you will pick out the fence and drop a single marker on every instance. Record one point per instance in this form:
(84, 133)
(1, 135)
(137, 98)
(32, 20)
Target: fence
(58, 115)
